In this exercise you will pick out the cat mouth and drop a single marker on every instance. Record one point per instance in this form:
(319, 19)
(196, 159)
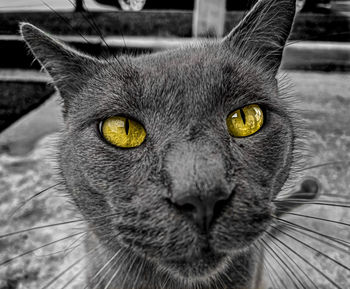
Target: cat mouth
(199, 263)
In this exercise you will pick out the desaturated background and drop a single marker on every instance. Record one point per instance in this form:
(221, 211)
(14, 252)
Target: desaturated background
(30, 121)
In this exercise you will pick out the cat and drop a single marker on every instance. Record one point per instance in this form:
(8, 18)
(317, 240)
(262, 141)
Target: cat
(187, 203)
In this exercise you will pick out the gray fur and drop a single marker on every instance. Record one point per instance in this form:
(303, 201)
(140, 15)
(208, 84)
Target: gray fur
(182, 97)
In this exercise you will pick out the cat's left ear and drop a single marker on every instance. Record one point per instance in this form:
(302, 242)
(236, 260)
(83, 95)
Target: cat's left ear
(68, 68)
(262, 34)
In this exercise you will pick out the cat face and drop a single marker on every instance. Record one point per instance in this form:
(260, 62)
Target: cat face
(182, 98)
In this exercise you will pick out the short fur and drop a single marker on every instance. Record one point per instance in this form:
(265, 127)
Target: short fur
(182, 97)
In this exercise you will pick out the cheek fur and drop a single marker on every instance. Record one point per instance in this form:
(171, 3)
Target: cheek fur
(264, 156)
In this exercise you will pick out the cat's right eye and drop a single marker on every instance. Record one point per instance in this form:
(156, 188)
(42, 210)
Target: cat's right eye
(123, 132)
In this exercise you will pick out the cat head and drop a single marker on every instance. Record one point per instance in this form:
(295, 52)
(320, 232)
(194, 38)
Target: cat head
(192, 192)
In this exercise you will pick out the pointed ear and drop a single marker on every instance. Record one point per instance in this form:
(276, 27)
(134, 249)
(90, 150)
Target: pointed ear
(67, 67)
(262, 34)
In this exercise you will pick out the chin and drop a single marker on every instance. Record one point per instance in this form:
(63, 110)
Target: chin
(196, 266)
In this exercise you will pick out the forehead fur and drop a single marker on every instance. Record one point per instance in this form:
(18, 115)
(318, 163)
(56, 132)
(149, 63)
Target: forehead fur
(197, 80)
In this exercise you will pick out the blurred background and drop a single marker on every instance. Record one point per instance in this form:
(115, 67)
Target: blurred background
(316, 62)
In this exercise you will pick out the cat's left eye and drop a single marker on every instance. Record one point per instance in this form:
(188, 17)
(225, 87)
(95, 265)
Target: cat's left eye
(123, 132)
(245, 121)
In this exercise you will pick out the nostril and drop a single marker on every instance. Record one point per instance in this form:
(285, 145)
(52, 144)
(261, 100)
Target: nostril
(182, 207)
(187, 204)
(187, 208)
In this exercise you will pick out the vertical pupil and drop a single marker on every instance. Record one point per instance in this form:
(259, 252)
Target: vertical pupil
(126, 126)
(242, 115)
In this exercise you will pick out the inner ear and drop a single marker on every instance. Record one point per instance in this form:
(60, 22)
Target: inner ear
(68, 68)
(262, 34)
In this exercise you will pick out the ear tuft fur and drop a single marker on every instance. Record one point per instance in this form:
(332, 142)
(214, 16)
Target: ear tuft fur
(66, 66)
(262, 34)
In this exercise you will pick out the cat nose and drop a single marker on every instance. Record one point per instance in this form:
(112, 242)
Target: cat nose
(202, 210)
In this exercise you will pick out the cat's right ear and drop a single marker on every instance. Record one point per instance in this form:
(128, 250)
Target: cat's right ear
(67, 67)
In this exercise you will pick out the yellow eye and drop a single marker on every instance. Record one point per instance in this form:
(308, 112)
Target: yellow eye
(245, 121)
(123, 132)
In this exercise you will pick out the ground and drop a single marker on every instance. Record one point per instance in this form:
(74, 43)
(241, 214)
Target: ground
(27, 165)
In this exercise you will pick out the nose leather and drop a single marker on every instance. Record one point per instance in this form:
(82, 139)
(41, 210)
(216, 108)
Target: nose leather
(201, 210)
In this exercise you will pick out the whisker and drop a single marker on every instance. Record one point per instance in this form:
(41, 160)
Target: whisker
(313, 249)
(66, 22)
(40, 227)
(92, 24)
(305, 260)
(66, 251)
(324, 165)
(303, 233)
(128, 272)
(104, 276)
(295, 263)
(245, 269)
(33, 250)
(299, 201)
(334, 239)
(266, 263)
(315, 218)
(55, 224)
(70, 247)
(80, 34)
(309, 190)
(139, 273)
(97, 30)
(113, 276)
(106, 265)
(273, 281)
(279, 260)
(336, 196)
(73, 278)
(31, 198)
(243, 276)
(68, 268)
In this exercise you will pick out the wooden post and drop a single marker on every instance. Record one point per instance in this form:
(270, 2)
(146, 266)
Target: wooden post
(79, 6)
(209, 18)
